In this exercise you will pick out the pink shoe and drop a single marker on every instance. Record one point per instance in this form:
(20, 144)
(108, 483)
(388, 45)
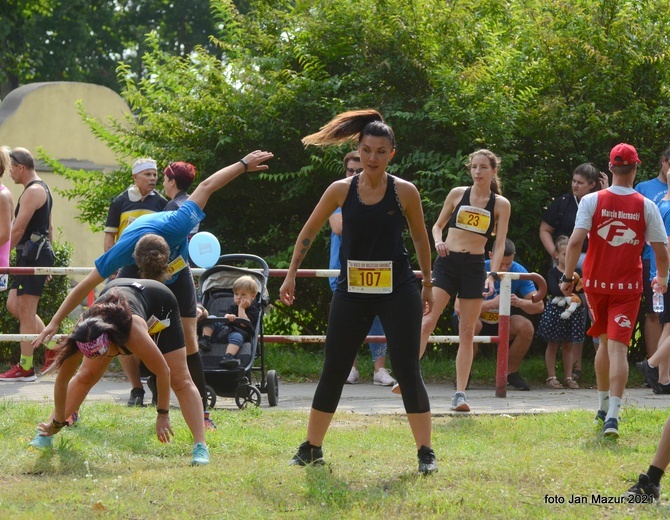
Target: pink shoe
(49, 358)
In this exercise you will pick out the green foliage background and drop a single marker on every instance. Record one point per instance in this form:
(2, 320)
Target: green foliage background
(55, 291)
(546, 84)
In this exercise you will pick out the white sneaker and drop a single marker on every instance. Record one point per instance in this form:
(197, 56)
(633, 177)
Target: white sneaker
(383, 378)
(354, 377)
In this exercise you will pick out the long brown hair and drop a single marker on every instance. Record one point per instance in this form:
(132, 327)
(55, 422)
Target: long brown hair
(351, 125)
(152, 255)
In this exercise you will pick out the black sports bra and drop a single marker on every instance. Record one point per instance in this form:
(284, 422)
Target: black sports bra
(474, 219)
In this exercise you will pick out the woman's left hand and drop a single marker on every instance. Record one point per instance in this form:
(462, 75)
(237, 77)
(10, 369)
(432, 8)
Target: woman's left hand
(46, 429)
(163, 427)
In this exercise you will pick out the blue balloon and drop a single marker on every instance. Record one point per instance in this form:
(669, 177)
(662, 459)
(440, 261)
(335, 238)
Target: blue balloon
(204, 249)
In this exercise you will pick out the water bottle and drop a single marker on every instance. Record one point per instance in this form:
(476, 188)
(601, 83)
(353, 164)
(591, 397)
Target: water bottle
(658, 302)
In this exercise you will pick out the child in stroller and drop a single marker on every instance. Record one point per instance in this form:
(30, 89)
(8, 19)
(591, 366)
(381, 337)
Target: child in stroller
(239, 328)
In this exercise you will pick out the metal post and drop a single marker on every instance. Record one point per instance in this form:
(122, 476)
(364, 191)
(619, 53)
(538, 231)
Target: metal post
(503, 334)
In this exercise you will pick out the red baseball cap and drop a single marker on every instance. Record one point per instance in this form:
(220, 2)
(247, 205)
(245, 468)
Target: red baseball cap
(624, 154)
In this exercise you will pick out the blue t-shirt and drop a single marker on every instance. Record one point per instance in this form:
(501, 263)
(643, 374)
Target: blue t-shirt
(654, 190)
(173, 226)
(335, 243)
(519, 287)
(664, 208)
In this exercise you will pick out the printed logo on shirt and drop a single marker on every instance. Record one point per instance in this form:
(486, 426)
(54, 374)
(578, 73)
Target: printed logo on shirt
(616, 233)
(623, 321)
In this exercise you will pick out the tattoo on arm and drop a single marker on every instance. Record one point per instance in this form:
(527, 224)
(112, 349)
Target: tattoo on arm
(305, 245)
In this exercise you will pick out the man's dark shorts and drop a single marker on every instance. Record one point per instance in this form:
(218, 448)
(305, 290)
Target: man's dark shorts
(32, 284)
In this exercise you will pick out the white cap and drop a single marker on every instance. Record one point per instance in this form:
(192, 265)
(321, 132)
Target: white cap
(143, 164)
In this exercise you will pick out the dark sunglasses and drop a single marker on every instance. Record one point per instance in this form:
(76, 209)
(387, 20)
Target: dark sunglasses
(357, 170)
(15, 159)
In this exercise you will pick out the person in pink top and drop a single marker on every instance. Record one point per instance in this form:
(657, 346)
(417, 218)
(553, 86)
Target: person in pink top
(618, 221)
(6, 215)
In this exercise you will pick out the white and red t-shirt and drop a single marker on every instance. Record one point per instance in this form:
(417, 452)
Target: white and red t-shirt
(619, 221)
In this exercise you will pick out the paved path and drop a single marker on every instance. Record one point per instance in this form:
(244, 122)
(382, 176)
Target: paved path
(371, 399)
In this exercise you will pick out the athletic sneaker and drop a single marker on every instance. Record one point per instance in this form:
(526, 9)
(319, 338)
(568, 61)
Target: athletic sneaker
(459, 402)
(307, 454)
(427, 463)
(16, 373)
(383, 377)
(515, 380)
(70, 421)
(644, 486)
(229, 361)
(49, 358)
(354, 377)
(601, 415)
(611, 428)
(136, 397)
(200, 455)
(662, 389)
(42, 442)
(650, 374)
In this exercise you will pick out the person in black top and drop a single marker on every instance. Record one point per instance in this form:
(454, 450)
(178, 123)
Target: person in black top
(376, 278)
(131, 316)
(472, 216)
(559, 220)
(31, 235)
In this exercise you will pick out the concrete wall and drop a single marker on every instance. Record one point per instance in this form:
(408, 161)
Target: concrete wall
(45, 115)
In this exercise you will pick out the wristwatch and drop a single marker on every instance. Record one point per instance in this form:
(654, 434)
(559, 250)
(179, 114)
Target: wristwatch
(566, 280)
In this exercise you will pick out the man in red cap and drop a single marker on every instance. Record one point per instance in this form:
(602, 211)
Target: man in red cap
(618, 221)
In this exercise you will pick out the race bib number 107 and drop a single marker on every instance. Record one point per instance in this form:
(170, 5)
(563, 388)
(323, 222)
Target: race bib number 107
(371, 277)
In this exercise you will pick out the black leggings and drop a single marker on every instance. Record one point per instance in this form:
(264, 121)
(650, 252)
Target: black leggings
(348, 325)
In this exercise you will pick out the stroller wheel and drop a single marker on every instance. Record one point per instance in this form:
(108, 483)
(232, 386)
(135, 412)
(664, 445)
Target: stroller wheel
(210, 398)
(247, 394)
(272, 388)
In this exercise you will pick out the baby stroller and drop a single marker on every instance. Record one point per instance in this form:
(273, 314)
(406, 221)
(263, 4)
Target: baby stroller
(216, 285)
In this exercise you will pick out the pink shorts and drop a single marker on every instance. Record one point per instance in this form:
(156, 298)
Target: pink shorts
(613, 314)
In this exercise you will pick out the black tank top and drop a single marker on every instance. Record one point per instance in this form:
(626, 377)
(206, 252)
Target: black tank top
(375, 232)
(147, 298)
(39, 222)
(472, 218)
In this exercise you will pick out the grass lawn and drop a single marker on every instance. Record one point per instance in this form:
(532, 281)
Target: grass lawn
(111, 466)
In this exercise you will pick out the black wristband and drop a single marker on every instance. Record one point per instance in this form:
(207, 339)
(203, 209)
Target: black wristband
(495, 276)
(162, 411)
(246, 166)
(563, 279)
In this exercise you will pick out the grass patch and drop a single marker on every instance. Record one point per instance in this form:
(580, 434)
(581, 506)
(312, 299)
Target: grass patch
(111, 465)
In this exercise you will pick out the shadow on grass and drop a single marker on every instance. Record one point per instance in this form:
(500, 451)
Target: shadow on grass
(334, 494)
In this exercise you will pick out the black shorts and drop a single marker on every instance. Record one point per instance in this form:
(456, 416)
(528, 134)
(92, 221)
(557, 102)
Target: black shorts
(183, 289)
(32, 284)
(460, 274)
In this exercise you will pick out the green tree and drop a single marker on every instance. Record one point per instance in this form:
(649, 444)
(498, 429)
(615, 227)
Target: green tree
(546, 84)
(85, 40)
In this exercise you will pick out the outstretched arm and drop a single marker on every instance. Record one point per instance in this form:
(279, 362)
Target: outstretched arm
(70, 303)
(219, 179)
